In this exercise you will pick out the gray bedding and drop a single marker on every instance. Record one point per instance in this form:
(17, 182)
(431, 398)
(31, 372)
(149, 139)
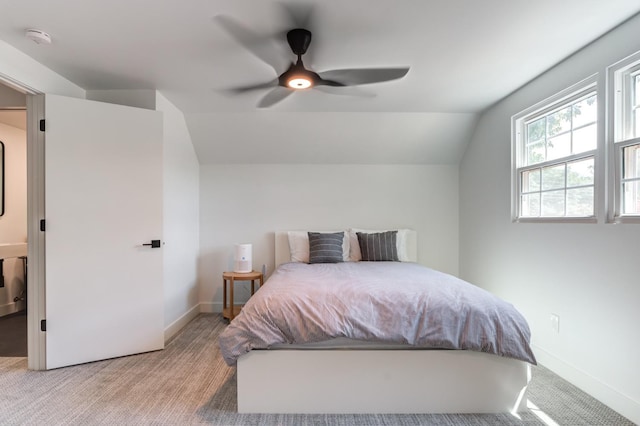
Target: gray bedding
(376, 301)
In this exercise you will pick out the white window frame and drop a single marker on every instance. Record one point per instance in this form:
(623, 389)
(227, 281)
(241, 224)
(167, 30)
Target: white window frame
(542, 108)
(619, 120)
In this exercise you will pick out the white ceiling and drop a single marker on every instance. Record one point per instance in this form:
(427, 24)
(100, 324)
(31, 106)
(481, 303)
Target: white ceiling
(464, 56)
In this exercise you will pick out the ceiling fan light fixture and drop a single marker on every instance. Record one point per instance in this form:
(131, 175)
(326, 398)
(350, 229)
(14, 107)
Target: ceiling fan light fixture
(297, 77)
(299, 82)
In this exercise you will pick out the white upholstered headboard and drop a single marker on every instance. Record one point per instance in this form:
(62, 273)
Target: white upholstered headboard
(283, 254)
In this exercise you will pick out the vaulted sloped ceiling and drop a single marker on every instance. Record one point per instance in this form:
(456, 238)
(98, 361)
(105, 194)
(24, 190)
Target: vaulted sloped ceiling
(464, 55)
(332, 137)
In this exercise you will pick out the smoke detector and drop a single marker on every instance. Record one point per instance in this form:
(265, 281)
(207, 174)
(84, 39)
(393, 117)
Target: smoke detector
(40, 37)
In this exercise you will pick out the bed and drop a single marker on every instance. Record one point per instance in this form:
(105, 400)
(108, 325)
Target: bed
(312, 365)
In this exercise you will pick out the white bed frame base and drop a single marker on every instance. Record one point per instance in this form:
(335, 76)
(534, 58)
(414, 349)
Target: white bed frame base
(378, 381)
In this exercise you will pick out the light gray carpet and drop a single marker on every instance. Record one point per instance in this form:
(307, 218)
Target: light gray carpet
(189, 383)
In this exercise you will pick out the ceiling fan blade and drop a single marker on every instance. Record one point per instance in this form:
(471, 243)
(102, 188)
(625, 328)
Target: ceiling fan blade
(274, 96)
(244, 89)
(346, 91)
(324, 82)
(263, 48)
(356, 76)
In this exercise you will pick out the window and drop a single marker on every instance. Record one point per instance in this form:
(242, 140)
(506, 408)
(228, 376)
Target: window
(555, 145)
(625, 78)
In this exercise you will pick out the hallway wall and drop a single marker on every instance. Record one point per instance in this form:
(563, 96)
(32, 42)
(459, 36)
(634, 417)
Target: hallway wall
(13, 224)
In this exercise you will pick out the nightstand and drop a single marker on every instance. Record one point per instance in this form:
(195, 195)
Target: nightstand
(231, 310)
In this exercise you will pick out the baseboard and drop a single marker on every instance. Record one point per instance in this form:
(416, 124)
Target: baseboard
(205, 308)
(11, 308)
(179, 324)
(604, 393)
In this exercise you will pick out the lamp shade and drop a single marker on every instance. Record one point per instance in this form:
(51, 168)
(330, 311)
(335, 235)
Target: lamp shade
(242, 258)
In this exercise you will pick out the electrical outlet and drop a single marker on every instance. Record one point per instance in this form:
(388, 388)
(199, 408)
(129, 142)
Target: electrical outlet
(555, 323)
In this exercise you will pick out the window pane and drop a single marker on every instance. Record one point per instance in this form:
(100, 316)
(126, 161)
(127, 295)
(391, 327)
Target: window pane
(585, 139)
(531, 181)
(535, 153)
(585, 112)
(553, 177)
(580, 202)
(580, 173)
(558, 147)
(559, 122)
(631, 162)
(535, 130)
(631, 197)
(530, 205)
(552, 204)
(636, 120)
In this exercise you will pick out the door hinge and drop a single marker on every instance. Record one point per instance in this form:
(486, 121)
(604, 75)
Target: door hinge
(42, 125)
(43, 325)
(43, 225)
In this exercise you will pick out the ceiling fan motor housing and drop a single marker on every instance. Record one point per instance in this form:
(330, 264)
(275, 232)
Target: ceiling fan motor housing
(299, 40)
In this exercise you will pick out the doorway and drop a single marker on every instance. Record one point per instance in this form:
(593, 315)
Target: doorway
(125, 201)
(13, 223)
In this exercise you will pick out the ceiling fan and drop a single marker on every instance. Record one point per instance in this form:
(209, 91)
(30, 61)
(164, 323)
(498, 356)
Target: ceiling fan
(296, 76)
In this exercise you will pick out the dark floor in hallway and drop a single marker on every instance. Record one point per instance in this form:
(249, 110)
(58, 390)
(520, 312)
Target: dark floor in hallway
(13, 335)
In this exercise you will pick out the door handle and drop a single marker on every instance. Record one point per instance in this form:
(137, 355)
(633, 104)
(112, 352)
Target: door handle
(153, 244)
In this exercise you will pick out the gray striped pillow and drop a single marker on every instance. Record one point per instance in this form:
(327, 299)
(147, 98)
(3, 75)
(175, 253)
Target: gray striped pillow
(380, 246)
(325, 248)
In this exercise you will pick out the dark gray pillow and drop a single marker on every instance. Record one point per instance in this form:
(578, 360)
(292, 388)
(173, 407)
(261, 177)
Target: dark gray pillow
(325, 248)
(380, 246)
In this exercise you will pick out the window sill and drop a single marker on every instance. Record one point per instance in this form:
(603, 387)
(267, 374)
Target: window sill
(591, 219)
(625, 219)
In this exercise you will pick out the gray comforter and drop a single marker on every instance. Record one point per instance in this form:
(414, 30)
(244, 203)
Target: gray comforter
(381, 301)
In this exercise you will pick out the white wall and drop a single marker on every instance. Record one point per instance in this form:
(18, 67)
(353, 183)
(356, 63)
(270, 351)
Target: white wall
(247, 203)
(181, 220)
(16, 67)
(588, 274)
(13, 224)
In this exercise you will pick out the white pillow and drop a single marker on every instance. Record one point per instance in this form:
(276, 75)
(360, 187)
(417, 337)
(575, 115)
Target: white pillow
(401, 243)
(299, 245)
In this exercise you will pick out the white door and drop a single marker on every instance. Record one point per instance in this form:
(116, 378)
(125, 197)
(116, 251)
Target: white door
(103, 201)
